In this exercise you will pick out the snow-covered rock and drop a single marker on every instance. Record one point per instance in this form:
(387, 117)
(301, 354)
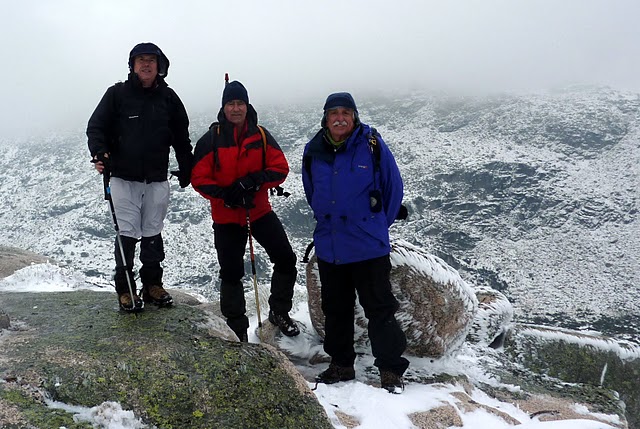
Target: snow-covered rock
(436, 310)
(493, 318)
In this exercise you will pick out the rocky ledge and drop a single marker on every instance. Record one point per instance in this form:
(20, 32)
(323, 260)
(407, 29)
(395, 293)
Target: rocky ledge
(176, 367)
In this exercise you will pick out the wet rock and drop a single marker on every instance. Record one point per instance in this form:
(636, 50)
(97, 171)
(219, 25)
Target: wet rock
(594, 362)
(167, 365)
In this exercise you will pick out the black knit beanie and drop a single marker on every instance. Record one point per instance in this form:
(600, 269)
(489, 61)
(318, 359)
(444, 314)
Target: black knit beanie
(234, 91)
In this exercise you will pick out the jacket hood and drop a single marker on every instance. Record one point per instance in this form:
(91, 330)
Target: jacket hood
(152, 49)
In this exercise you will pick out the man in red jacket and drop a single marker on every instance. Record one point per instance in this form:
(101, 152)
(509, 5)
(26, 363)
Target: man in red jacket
(234, 167)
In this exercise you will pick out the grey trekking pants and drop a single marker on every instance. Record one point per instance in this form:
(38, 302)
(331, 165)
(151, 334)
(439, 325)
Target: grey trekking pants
(140, 207)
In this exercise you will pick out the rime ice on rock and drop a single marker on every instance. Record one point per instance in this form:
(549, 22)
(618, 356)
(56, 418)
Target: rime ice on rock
(493, 319)
(437, 307)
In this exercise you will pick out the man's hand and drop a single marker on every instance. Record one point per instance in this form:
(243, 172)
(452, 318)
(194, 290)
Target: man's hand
(232, 199)
(236, 197)
(403, 213)
(247, 183)
(101, 161)
(239, 189)
(247, 200)
(183, 178)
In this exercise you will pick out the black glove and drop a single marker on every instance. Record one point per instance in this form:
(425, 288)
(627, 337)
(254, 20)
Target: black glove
(403, 213)
(234, 198)
(239, 188)
(183, 178)
(104, 158)
(247, 200)
(247, 183)
(231, 201)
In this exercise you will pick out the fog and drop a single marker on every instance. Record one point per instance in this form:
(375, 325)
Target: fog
(58, 57)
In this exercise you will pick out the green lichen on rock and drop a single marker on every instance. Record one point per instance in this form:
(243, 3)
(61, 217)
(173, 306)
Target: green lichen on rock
(159, 363)
(33, 413)
(589, 372)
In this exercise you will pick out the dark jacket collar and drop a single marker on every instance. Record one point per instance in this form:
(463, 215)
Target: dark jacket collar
(321, 141)
(252, 120)
(320, 147)
(134, 82)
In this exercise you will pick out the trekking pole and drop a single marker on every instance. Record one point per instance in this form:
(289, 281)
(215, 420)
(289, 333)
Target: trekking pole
(253, 271)
(106, 175)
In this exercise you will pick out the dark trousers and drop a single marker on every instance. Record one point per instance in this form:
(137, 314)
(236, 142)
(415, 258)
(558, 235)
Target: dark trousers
(231, 241)
(151, 254)
(370, 279)
(124, 265)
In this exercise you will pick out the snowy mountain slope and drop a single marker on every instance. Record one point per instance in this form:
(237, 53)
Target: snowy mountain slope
(535, 195)
(550, 206)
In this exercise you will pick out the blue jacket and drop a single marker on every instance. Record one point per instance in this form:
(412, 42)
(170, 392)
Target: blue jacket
(338, 183)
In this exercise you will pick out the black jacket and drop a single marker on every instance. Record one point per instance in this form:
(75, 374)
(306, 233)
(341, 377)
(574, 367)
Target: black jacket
(137, 126)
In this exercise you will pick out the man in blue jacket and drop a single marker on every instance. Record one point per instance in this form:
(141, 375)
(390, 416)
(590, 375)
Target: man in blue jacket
(353, 185)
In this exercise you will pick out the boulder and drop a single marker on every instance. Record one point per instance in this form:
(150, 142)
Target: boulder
(580, 358)
(493, 318)
(172, 366)
(12, 259)
(437, 307)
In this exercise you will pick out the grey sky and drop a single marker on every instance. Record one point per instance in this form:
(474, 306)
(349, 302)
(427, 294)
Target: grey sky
(58, 57)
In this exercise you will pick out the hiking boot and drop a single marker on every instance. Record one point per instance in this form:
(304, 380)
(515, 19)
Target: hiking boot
(335, 374)
(155, 294)
(284, 322)
(391, 382)
(242, 336)
(240, 331)
(128, 304)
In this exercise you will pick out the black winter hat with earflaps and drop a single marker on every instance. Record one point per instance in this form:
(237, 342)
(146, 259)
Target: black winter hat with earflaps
(150, 49)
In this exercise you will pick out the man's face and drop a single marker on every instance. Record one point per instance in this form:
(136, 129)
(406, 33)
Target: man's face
(236, 112)
(146, 67)
(340, 123)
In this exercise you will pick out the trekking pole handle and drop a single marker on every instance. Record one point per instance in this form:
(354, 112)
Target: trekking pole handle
(106, 177)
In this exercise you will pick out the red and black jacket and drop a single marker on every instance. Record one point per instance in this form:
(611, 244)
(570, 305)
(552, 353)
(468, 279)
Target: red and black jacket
(221, 157)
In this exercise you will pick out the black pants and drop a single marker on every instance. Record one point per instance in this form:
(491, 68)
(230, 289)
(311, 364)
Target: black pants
(370, 279)
(231, 241)
(151, 254)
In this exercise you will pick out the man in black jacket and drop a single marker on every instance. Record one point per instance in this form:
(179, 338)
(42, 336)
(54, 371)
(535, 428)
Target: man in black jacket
(130, 135)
